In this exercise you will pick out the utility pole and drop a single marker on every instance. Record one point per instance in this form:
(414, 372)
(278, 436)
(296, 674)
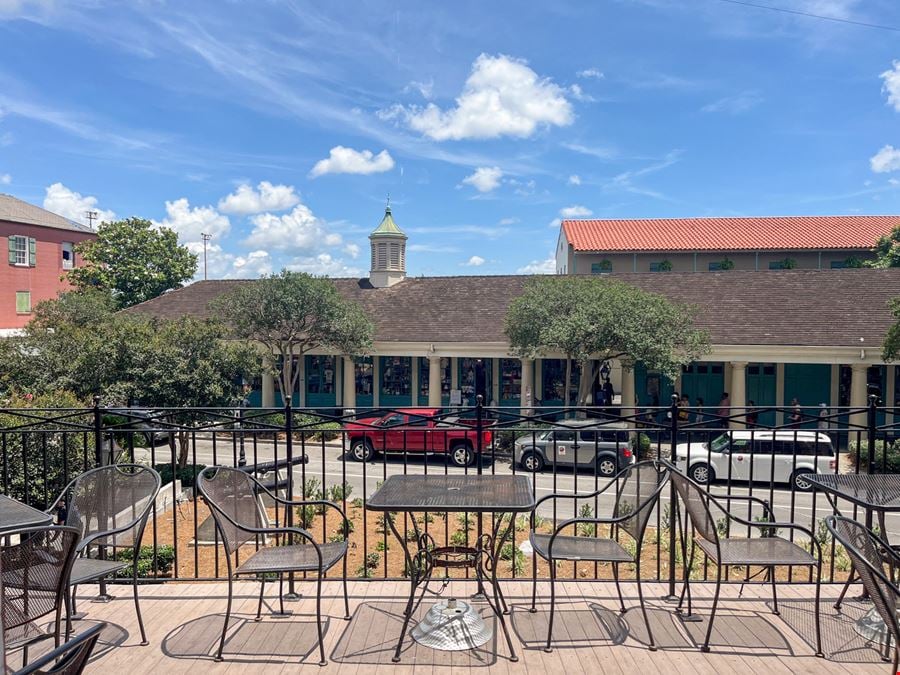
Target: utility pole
(91, 216)
(206, 238)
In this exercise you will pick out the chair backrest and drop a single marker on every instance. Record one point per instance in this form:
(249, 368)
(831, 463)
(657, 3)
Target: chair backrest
(232, 496)
(637, 492)
(696, 503)
(111, 498)
(869, 556)
(35, 572)
(69, 658)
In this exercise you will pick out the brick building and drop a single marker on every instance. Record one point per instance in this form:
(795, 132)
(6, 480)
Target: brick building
(717, 244)
(41, 248)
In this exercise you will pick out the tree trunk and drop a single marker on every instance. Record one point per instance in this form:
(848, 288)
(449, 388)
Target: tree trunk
(287, 378)
(184, 447)
(588, 375)
(568, 381)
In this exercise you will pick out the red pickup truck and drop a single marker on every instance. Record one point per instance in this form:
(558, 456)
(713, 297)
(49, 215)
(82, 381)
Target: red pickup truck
(416, 431)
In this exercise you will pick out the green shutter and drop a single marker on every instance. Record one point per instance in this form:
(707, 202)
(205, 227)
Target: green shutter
(32, 252)
(23, 302)
(12, 249)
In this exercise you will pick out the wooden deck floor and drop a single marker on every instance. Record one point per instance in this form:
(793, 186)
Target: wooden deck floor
(184, 620)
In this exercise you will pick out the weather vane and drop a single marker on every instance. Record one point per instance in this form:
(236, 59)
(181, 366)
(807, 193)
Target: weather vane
(389, 200)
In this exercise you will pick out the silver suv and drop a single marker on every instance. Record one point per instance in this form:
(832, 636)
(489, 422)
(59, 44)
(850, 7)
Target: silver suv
(587, 444)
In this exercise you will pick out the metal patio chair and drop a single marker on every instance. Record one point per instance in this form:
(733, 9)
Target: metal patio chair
(637, 490)
(875, 562)
(233, 498)
(109, 506)
(765, 551)
(69, 659)
(35, 578)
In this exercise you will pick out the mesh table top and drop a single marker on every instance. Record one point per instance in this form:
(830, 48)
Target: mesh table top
(14, 515)
(487, 494)
(879, 492)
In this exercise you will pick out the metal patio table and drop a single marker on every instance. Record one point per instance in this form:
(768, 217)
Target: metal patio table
(14, 515)
(875, 494)
(480, 494)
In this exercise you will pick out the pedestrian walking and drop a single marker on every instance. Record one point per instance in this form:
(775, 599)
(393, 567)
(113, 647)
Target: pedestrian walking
(796, 413)
(723, 410)
(752, 415)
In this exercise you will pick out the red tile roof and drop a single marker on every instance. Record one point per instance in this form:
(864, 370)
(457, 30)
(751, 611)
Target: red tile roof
(729, 234)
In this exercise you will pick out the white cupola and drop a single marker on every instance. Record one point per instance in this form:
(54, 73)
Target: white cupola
(388, 252)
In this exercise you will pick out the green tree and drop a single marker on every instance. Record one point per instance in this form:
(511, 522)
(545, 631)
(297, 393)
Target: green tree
(887, 250)
(291, 313)
(891, 347)
(134, 261)
(590, 320)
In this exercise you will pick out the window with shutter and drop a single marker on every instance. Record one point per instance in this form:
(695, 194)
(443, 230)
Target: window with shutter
(68, 255)
(32, 252)
(18, 250)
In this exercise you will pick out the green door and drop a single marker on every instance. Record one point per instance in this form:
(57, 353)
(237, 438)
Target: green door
(703, 380)
(810, 384)
(396, 382)
(653, 389)
(761, 390)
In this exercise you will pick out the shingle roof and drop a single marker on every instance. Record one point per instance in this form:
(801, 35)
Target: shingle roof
(831, 308)
(16, 211)
(729, 234)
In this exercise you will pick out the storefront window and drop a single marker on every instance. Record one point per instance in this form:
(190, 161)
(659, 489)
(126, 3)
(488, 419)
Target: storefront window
(320, 375)
(396, 375)
(510, 379)
(364, 374)
(474, 380)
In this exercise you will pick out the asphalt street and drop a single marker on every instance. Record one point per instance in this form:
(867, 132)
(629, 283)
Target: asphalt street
(329, 466)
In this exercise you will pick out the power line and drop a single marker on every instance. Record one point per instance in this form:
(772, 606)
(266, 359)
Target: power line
(797, 12)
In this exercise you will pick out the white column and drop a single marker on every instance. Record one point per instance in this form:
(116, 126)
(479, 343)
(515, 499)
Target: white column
(434, 381)
(538, 390)
(268, 390)
(779, 393)
(627, 391)
(454, 373)
(858, 393)
(738, 389)
(526, 386)
(349, 382)
(495, 382)
(376, 381)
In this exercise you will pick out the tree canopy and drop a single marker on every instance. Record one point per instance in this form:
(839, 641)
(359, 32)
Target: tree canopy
(133, 260)
(589, 318)
(891, 347)
(292, 313)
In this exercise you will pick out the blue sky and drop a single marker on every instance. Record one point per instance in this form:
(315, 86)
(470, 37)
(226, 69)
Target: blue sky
(280, 127)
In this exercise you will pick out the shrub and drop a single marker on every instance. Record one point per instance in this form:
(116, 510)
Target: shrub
(459, 538)
(642, 445)
(37, 464)
(368, 567)
(309, 428)
(164, 562)
(887, 459)
(339, 492)
(514, 555)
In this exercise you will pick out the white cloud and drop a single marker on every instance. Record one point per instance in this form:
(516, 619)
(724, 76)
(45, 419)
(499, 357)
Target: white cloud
(348, 160)
(574, 179)
(299, 230)
(325, 264)
(891, 86)
(590, 73)
(352, 250)
(474, 261)
(501, 97)
(508, 221)
(266, 197)
(885, 160)
(556, 222)
(190, 222)
(734, 105)
(252, 265)
(578, 93)
(72, 205)
(547, 266)
(5, 179)
(426, 89)
(485, 178)
(575, 211)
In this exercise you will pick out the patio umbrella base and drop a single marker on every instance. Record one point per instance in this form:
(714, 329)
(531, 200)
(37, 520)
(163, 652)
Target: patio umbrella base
(452, 625)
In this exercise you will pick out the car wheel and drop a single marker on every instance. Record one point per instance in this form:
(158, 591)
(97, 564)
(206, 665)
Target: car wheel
(798, 480)
(462, 455)
(532, 461)
(702, 473)
(606, 466)
(361, 450)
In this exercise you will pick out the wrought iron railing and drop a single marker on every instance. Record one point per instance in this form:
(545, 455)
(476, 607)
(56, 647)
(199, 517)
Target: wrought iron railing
(311, 453)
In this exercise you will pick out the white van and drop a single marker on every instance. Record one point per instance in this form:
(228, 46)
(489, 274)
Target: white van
(751, 455)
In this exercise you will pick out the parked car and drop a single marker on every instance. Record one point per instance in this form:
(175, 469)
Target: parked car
(143, 420)
(608, 448)
(745, 455)
(416, 431)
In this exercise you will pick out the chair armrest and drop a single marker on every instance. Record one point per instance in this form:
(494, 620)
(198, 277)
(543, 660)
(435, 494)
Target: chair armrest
(589, 495)
(765, 504)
